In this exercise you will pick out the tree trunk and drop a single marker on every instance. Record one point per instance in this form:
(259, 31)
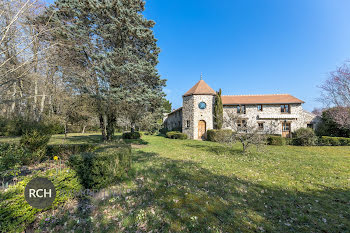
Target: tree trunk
(132, 129)
(103, 127)
(83, 129)
(65, 130)
(111, 120)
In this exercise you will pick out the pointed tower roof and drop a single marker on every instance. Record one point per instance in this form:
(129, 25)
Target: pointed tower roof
(201, 88)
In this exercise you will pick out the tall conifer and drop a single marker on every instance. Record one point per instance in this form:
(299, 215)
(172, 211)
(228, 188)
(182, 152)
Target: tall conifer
(218, 111)
(108, 50)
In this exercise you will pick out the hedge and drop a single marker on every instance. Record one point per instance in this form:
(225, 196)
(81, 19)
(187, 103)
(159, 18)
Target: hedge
(218, 135)
(334, 141)
(16, 214)
(65, 150)
(276, 140)
(176, 135)
(99, 170)
(131, 135)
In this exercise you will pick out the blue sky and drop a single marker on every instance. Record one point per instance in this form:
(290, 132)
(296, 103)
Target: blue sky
(250, 46)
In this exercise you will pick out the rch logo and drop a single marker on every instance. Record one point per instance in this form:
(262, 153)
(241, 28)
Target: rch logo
(40, 193)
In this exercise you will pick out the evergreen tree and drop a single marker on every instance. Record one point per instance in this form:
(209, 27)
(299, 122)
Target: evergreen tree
(167, 106)
(218, 111)
(109, 51)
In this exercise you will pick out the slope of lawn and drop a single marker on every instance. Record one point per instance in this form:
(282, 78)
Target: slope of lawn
(198, 186)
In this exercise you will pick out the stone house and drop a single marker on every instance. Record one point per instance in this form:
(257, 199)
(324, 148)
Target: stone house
(274, 114)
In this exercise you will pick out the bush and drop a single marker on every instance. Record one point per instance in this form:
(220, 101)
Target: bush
(276, 140)
(36, 143)
(304, 137)
(176, 135)
(18, 127)
(16, 214)
(333, 141)
(65, 150)
(11, 158)
(99, 170)
(218, 135)
(131, 135)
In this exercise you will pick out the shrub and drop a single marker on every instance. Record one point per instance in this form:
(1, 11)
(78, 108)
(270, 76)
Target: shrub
(131, 135)
(276, 140)
(65, 150)
(218, 135)
(99, 170)
(334, 141)
(16, 214)
(11, 157)
(18, 127)
(304, 137)
(36, 143)
(176, 135)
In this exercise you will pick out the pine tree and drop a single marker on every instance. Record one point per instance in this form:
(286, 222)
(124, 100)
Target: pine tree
(218, 111)
(110, 53)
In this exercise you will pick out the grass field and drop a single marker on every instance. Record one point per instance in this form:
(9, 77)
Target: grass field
(199, 186)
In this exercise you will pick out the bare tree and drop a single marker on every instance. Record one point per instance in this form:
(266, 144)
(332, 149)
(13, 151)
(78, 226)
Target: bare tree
(336, 89)
(336, 94)
(243, 132)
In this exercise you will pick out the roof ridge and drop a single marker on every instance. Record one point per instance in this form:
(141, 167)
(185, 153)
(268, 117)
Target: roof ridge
(257, 94)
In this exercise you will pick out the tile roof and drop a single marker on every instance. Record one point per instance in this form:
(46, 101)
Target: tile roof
(259, 99)
(201, 88)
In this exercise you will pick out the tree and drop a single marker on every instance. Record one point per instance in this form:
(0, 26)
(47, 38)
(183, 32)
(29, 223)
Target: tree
(110, 53)
(334, 122)
(218, 111)
(243, 132)
(336, 89)
(167, 106)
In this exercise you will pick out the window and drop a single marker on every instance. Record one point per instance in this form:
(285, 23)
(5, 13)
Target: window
(241, 123)
(285, 108)
(285, 126)
(187, 124)
(241, 109)
(260, 107)
(261, 126)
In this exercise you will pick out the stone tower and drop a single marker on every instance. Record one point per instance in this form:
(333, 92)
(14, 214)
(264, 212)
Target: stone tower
(197, 110)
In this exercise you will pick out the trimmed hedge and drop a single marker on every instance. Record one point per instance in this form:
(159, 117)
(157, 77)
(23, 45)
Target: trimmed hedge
(218, 135)
(334, 141)
(99, 170)
(65, 150)
(276, 140)
(16, 214)
(131, 135)
(176, 135)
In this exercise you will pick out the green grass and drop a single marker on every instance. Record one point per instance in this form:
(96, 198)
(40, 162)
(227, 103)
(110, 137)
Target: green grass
(198, 186)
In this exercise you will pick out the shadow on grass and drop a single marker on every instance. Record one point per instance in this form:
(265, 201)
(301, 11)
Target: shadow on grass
(217, 149)
(181, 196)
(85, 138)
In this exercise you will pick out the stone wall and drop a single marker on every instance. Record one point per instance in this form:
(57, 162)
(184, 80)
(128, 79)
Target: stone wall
(174, 120)
(192, 113)
(272, 117)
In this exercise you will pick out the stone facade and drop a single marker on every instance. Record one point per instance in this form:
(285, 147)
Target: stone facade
(270, 117)
(192, 114)
(173, 120)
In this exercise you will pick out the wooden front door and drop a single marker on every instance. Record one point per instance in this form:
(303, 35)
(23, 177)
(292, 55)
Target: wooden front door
(201, 129)
(286, 129)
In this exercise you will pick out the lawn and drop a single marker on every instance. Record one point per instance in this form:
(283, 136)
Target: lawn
(199, 186)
